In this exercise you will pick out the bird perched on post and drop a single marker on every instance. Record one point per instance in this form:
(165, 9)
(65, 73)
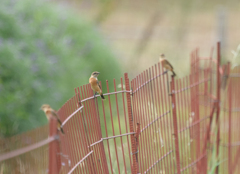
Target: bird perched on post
(95, 84)
(166, 64)
(49, 113)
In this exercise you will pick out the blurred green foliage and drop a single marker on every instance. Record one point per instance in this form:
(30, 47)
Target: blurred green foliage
(46, 51)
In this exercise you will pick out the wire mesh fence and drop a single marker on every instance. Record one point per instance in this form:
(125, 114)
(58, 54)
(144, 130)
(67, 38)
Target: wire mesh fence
(23, 153)
(151, 124)
(100, 127)
(229, 126)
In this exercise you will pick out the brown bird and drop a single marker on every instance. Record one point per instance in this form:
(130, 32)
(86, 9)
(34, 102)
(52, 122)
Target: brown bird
(95, 84)
(166, 64)
(49, 113)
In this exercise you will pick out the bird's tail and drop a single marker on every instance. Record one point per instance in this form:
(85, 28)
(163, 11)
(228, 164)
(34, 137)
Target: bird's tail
(102, 96)
(174, 74)
(59, 126)
(61, 129)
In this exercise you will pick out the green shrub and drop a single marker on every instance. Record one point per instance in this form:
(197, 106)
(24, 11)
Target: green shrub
(45, 52)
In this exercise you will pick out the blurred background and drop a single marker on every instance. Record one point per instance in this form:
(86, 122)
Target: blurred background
(47, 48)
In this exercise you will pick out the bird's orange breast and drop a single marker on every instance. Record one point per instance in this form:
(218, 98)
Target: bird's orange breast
(93, 81)
(94, 84)
(48, 114)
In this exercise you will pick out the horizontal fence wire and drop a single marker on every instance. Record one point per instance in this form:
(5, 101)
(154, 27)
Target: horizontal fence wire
(106, 94)
(193, 163)
(159, 161)
(145, 83)
(154, 121)
(70, 116)
(27, 148)
(232, 144)
(107, 138)
(193, 124)
(80, 162)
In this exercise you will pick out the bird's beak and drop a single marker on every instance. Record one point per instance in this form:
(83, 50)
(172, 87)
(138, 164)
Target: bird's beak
(98, 72)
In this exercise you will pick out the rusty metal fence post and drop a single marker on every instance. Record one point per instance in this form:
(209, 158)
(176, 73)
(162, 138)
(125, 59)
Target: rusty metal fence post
(54, 163)
(130, 118)
(197, 113)
(175, 126)
(229, 125)
(218, 100)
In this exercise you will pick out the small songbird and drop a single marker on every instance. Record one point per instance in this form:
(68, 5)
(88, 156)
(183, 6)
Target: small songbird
(166, 64)
(95, 84)
(49, 113)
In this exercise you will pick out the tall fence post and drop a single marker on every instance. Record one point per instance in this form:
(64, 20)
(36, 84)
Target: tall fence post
(192, 116)
(130, 118)
(197, 113)
(54, 163)
(175, 126)
(230, 126)
(218, 100)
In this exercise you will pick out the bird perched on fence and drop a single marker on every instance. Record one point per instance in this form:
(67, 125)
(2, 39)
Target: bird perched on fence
(95, 84)
(165, 63)
(51, 113)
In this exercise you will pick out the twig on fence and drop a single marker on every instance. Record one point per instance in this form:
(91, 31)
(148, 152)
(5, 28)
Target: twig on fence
(70, 116)
(80, 162)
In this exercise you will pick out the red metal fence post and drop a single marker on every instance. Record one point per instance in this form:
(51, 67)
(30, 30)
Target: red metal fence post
(174, 114)
(130, 118)
(192, 99)
(197, 113)
(54, 163)
(230, 125)
(218, 100)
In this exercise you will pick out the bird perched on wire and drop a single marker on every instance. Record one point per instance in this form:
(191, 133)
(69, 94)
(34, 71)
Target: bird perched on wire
(51, 113)
(95, 84)
(166, 64)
